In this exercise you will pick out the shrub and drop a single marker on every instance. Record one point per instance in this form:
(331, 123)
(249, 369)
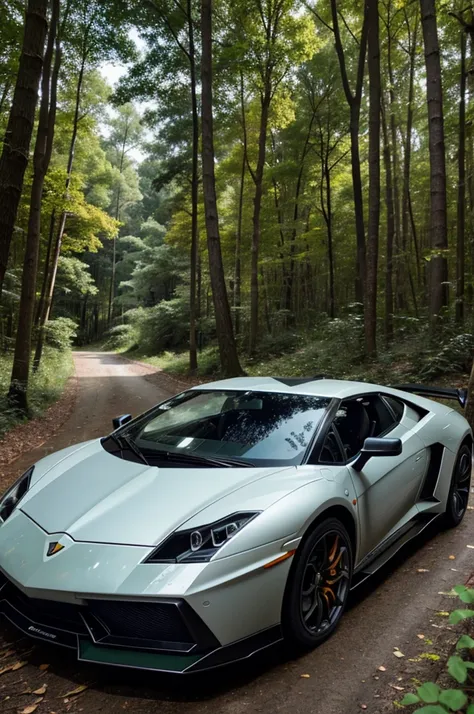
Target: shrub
(162, 327)
(121, 337)
(455, 356)
(60, 333)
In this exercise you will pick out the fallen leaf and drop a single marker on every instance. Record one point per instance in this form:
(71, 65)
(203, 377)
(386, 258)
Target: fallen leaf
(399, 689)
(382, 669)
(452, 557)
(470, 546)
(6, 653)
(18, 665)
(443, 613)
(41, 690)
(421, 637)
(6, 669)
(422, 570)
(470, 508)
(363, 706)
(32, 707)
(305, 676)
(79, 689)
(397, 653)
(43, 667)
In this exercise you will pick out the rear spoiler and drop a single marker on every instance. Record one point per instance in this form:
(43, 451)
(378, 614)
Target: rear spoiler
(437, 392)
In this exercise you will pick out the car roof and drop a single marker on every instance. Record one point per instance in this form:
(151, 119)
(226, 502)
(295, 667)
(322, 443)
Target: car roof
(320, 387)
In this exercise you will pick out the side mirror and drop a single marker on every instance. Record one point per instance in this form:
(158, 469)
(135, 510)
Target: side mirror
(377, 447)
(121, 420)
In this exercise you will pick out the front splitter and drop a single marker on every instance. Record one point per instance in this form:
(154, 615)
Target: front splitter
(89, 651)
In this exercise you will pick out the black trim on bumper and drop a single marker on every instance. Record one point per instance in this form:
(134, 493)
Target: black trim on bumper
(94, 640)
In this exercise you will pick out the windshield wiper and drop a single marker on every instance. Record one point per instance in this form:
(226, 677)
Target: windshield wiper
(198, 459)
(124, 441)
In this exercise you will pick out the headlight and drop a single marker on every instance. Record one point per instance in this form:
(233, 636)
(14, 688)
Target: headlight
(198, 545)
(13, 496)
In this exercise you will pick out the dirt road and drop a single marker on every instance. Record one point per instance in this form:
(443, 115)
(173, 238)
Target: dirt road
(391, 611)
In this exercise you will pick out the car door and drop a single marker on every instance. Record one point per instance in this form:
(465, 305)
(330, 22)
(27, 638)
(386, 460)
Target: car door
(386, 487)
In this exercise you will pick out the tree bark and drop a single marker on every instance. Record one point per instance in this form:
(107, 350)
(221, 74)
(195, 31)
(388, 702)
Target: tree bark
(193, 363)
(63, 217)
(16, 143)
(461, 208)
(370, 312)
(44, 285)
(354, 101)
(390, 232)
(407, 152)
(257, 205)
(438, 207)
(227, 348)
(42, 155)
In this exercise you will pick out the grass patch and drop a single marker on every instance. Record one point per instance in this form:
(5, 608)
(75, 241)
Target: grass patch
(46, 386)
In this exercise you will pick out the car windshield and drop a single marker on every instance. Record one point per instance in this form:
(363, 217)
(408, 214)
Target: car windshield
(261, 428)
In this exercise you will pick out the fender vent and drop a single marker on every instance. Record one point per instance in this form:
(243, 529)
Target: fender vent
(431, 479)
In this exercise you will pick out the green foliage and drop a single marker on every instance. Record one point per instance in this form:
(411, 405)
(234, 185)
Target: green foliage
(45, 386)
(438, 700)
(60, 333)
(455, 356)
(161, 327)
(121, 338)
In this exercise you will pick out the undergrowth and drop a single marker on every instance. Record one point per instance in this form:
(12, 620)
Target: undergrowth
(46, 386)
(334, 348)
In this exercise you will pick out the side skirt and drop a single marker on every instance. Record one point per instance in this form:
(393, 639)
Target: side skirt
(386, 550)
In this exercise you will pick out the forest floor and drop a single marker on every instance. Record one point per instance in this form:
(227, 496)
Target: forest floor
(357, 669)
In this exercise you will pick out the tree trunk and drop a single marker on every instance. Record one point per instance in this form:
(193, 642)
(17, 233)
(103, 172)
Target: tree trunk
(438, 208)
(227, 348)
(257, 205)
(370, 312)
(327, 177)
(44, 286)
(42, 155)
(62, 221)
(238, 244)
(390, 232)
(193, 363)
(407, 152)
(16, 144)
(354, 101)
(469, 410)
(461, 210)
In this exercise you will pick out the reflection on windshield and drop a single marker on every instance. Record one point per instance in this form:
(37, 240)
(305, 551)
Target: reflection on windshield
(261, 427)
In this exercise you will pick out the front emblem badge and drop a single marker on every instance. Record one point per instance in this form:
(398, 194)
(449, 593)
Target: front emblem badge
(54, 548)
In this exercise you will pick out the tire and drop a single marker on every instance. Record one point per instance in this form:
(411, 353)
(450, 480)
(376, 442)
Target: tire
(458, 496)
(318, 586)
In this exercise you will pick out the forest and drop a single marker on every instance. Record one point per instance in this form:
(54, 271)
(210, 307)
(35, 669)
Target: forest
(236, 186)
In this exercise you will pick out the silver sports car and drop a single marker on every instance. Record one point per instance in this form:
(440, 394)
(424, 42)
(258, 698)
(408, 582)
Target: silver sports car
(232, 516)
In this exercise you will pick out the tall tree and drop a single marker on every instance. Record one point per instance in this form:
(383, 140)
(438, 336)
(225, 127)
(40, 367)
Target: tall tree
(228, 351)
(42, 156)
(354, 98)
(438, 270)
(370, 312)
(461, 203)
(16, 143)
(126, 131)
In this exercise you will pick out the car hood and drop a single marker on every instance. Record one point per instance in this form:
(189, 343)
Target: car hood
(97, 497)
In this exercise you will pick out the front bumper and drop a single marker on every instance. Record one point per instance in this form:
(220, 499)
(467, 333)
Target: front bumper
(128, 633)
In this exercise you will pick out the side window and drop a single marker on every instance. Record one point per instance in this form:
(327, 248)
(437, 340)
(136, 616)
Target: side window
(360, 418)
(353, 425)
(396, 406)
(380, 416)
(331, 452)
